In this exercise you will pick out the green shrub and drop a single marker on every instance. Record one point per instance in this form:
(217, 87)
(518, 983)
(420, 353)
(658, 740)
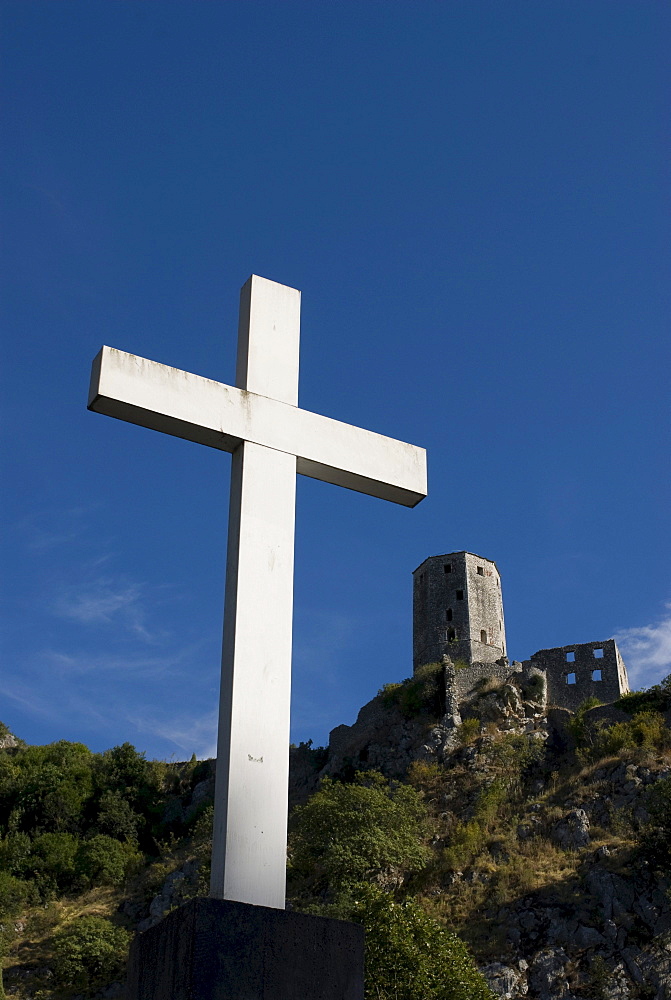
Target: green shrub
(578, 725)
(646, 731)
(390, 693)
(14, 895)
(410, 956)
(655, 699)
(47, 789)
(15, 852)
(423, 692)
(533, 688)
(103, 860)
(468, 731)
(89, 953)
(485, 685)
(53, 862)
(512, 757)
(116, 817)
(350, 833)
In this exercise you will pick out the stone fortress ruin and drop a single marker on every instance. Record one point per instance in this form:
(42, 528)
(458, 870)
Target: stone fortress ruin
(458, 617)
(459, 624)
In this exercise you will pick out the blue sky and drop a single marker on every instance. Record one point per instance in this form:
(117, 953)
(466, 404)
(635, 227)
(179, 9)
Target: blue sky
(473, 199)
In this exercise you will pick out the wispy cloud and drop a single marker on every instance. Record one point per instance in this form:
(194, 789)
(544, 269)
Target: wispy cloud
(106, 601)
(647, 651)
(161, 664)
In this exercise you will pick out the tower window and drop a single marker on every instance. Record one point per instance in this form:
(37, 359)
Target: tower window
(481, 571)
(596, 675)
(570, 657)
(598, 653)
(483, 635)
(447, 568)
(448, 615)
(451, 635)
(460, 595)
(570, 678)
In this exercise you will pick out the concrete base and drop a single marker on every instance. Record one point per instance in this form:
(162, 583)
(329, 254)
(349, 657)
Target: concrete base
(216, 949)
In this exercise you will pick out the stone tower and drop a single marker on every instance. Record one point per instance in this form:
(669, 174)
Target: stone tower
(457, 610)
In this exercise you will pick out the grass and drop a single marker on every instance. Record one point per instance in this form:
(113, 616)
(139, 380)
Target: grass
(33, 948)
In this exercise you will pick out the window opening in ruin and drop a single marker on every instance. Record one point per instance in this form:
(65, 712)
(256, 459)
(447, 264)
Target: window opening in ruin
(460, 595)
(451, 634)
(483, 636)
(447, 568)
(598, 653)
(570, 678)
(596, 675)
(570, 657)
(481, 571)
(448, 615)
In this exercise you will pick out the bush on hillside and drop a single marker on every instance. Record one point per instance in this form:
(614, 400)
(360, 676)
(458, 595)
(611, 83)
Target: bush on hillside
(103, 860)
(533, 688)
(409, 955)
(45, 789)
(89, 953)
(116, 817)
(424, 692)
(351, 833)
(14, 895)
(646, 732)
(53, 864)
(655, 699)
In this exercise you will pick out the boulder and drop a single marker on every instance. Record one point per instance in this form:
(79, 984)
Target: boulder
(505, 981)
(573, 830)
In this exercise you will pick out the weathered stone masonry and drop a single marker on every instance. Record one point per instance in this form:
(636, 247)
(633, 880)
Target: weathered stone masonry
(583, 670)
(458, 612)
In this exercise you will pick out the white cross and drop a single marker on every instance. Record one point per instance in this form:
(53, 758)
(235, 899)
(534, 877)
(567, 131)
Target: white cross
(271, 440)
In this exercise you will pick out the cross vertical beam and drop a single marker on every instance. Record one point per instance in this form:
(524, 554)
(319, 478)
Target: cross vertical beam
(250, 811)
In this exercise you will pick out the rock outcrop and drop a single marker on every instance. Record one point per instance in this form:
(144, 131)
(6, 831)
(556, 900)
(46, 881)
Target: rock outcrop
(605, 933)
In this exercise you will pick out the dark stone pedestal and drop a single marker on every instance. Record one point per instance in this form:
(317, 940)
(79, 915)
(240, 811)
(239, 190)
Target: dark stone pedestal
(216, 949)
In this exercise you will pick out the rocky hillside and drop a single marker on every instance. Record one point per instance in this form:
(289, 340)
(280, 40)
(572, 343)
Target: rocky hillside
(546, 840)
(543, 834)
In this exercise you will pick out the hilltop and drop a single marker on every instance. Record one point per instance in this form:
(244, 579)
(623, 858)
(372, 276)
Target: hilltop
(539, 835)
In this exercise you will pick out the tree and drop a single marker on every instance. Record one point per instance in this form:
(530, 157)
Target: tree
(46, 788)
(102, 860)
(410, 956)
(361, 832)
(89, 952)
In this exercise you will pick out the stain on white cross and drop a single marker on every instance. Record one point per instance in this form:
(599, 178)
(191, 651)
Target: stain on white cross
(271, 439)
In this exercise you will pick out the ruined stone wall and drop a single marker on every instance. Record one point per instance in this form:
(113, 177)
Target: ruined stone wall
(580, 671)
(466, 679)
(457, 610)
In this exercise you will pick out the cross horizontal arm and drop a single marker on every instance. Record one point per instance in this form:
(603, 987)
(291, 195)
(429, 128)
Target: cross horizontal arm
(221, 416)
